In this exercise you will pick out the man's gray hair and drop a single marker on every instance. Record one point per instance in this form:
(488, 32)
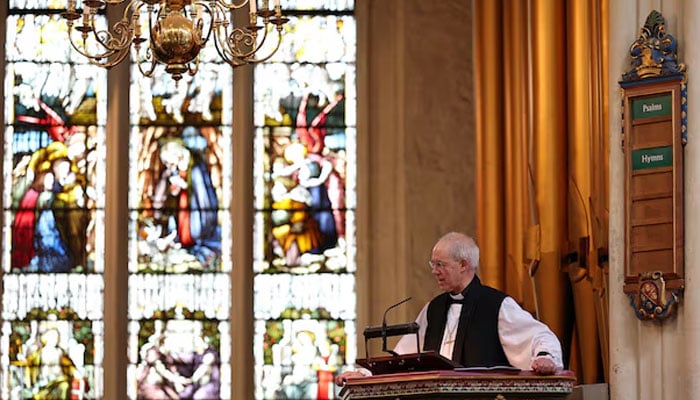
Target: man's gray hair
(462, 247)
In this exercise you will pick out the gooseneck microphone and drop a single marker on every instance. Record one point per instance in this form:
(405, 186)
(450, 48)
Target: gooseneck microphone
(384, 320)
(385, 330)
(384, 323)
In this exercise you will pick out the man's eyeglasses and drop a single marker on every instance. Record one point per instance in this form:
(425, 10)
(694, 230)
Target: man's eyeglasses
(437, 264)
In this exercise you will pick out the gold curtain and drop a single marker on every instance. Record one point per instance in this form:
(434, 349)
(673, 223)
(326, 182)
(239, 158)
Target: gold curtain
(542, 167)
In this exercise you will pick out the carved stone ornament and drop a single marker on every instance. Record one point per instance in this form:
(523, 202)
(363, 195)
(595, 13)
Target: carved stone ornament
(654, 51)
(653, 300)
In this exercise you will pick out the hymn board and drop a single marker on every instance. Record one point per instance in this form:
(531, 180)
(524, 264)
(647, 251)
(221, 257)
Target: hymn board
(654, 128)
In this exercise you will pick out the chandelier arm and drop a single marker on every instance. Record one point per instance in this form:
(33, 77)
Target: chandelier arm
(108, 55)
(147, 73)
(192, 71)
(239, 37)
(255, 43)
(217, 26)
(116, 2)
(238, 59)
(113, 42)
(231, 54)
(229, 59)
(115, 46)
(251, 60)
(211, 24)
(232, 5)
(113, 58)
(150, 21)
(148, 57)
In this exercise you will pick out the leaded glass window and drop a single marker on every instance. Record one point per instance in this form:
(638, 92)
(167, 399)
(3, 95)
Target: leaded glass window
(52, 317)
(179, 263)
(304, 243)
(179, 166)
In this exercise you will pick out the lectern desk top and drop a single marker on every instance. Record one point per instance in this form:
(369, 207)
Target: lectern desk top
(426, 361)
(450, 384)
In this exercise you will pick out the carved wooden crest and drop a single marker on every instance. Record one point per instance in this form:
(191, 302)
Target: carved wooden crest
(652, 299)
(654, 51)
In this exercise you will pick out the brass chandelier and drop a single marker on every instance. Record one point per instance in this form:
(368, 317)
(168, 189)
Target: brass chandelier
(176, 32)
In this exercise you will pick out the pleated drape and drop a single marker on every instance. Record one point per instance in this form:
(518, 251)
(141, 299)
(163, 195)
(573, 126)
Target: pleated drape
(541, 165)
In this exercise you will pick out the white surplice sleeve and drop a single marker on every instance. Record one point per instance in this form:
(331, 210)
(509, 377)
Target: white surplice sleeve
(407, 343)
(523, 337)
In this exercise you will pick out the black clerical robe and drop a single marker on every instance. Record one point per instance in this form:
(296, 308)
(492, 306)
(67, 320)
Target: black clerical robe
(477, 342)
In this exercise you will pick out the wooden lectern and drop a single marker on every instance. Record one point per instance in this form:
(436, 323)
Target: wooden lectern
(428, 375)
(452, 384)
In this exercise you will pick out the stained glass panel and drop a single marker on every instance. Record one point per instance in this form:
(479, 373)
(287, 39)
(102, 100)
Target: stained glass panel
(52, 317)
(301, 356)
(179, 260)
(330, 5)
(302, 42)
(38, 4)
(304, 196)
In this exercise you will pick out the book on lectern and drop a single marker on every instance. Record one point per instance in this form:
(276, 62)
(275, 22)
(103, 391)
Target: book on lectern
(425, 361)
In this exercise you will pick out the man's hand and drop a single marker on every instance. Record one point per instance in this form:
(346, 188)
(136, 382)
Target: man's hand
(544, 365)
(342, 378)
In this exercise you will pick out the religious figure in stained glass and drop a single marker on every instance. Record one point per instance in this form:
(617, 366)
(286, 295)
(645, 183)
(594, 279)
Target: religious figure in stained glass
(307, 183)
(50, 370)
(180, 227)
(316, 186)
(178, 360)
(186, 184)
(304, 301)
(179, 283)
(45, 358)
(54, 169)
(156, 376)
(52, 319)
(49, 230)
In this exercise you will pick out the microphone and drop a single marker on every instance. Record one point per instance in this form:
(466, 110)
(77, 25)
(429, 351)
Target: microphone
(384, 318)
(390, 330)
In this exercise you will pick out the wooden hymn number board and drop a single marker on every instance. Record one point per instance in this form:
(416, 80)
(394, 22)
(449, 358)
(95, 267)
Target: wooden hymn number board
(654, 132)
(653, 146)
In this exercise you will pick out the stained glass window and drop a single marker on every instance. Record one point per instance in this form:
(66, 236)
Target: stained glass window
(179, 191)
(179, 264)
(52, 317)
(304, 236)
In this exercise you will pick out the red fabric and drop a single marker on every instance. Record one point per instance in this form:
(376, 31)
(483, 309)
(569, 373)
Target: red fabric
(183, 219)
(23, 230)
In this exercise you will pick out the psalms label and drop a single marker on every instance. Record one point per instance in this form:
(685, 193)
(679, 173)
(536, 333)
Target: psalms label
(658, 106)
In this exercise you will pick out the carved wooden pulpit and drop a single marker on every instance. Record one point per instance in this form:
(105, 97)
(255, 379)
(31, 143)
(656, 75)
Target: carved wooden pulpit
(491, 384)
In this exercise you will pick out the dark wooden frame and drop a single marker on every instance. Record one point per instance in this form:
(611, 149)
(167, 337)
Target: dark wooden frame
(654, 227)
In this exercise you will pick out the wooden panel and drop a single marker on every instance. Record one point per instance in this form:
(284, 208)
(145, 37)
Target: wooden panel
(652, 211)
(650, 261)
(652, 135)
(656, 184)
(652, 237)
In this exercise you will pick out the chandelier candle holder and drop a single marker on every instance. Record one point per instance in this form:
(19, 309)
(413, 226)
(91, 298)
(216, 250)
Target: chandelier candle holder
(175, 31)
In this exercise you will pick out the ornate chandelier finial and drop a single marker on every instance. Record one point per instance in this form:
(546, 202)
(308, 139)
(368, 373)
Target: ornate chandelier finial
(173, 32)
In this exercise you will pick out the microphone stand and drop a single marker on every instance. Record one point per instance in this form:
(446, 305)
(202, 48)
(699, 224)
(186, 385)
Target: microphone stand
(429, 360)
(384, 349)
(384, 331)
